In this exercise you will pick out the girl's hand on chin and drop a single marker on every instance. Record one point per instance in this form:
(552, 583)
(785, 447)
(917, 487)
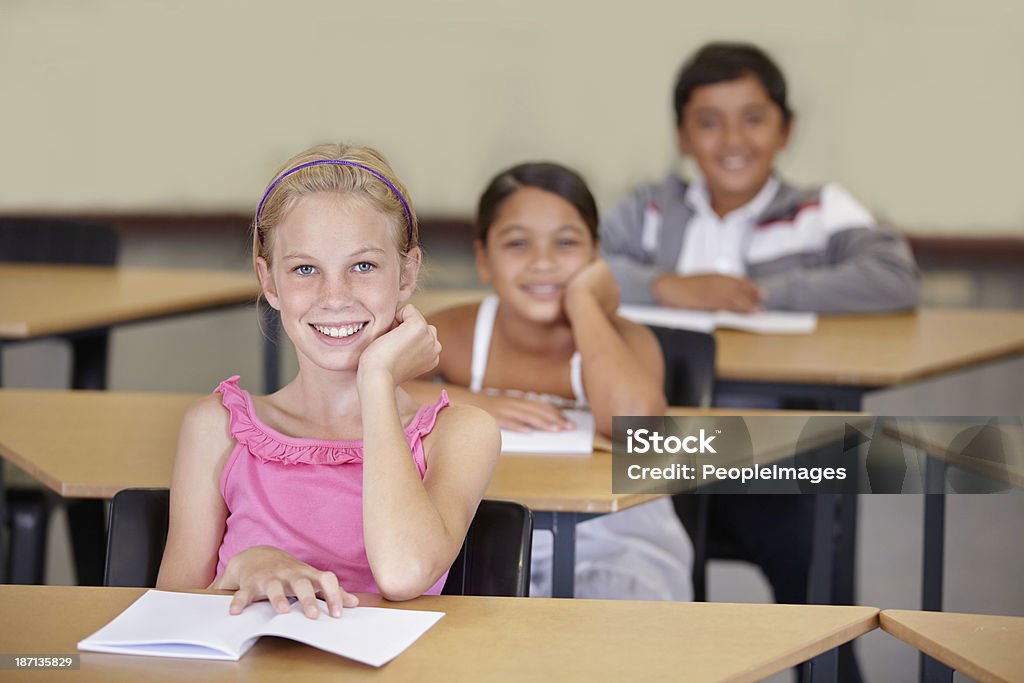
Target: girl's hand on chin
(406, 351)
(595, 280)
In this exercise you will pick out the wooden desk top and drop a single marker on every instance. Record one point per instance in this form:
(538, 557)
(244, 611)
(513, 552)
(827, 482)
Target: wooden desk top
(38, 300)
(479, 639)
(857, 350)
(948, 439)
(873, 350)
(92, 444)
(986, 648)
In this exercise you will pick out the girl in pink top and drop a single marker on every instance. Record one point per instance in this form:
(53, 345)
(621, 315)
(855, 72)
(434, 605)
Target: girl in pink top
(340, 482)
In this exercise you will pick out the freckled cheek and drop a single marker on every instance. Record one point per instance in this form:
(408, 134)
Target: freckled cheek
(296, 295)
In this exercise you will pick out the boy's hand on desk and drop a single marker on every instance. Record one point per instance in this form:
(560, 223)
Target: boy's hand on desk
(595, 280)
(523, 414)
(710, 291)
(266, 573)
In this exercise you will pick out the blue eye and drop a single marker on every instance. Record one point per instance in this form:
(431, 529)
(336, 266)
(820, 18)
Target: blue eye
(568, 243)
(364, 267)
(515, 244)
(305, 270)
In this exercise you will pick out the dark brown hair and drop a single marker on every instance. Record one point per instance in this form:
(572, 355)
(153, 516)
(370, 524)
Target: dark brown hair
(720, 62)
(543, 175)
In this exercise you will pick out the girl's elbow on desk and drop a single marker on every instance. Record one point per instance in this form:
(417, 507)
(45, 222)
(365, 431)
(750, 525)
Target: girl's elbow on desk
(405, 582)
(653, 405)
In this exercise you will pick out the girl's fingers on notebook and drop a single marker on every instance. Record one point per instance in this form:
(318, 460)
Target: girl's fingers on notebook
(242, 598)
(334, 595)
(524, 415)
(275, 595)
(302, 588)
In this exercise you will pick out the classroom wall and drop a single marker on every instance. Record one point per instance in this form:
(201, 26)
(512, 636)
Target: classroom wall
(189, 106)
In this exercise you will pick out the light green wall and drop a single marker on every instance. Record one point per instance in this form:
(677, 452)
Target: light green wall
(916, 106)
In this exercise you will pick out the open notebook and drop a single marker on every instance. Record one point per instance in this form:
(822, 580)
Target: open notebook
(766, 322)
(579, 440)
(198, 626)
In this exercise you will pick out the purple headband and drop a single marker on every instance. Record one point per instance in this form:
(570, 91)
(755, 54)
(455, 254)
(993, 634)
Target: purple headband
(332, 162)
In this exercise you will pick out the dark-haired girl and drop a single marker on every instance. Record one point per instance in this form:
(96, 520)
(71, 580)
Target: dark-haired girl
(549, 339)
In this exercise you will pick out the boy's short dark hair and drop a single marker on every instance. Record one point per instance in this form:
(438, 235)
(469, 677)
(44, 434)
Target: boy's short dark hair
(719, 62)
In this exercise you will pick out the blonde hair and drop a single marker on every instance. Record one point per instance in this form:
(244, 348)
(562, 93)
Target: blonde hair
(286, 189)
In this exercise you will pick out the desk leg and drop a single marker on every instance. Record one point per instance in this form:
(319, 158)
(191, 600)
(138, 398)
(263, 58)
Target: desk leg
(833, 565)
(823, 547)
(88, 539)
(825, 667)
(3, 495)
(89, 361)
(3, 520)
(934, 534)
(563, 556)
(85, 517)
(271, 350)
(845, 570)
(933, 670)
(563, 559)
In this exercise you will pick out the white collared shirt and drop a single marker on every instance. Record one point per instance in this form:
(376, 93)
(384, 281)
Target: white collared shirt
(718, 245)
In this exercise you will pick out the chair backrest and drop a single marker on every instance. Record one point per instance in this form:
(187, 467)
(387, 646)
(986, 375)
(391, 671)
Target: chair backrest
(495, 557)
(494, 560)
(689, 366)
(136, 537)
(43, 240)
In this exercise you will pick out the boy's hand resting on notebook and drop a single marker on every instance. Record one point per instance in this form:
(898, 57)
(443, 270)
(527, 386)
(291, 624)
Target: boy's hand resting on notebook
(595, 280)
(406, 351)
(263, 572)
(710, 291)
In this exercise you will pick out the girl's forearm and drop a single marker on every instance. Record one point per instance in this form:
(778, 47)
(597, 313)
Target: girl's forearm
(402, 528)
(617, 383)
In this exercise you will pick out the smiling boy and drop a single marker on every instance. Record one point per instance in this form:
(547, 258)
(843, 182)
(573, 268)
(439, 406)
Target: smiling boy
(738, 237)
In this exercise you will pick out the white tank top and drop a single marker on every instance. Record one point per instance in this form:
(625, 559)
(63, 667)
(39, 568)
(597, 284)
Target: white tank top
(485, 316)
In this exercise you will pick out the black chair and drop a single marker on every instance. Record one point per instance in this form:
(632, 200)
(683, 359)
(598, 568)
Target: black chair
(494, 560)
(689, 366)
(690, 381)
(29, 240)
(136, 534)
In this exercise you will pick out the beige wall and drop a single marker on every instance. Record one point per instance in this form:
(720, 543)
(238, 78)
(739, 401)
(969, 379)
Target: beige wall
(916, 106)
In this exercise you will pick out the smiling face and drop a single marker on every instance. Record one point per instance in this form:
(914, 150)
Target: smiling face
(733, 130)
(337, 278)
(536, 243)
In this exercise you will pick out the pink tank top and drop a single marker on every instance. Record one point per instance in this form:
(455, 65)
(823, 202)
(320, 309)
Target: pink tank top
(303, 496)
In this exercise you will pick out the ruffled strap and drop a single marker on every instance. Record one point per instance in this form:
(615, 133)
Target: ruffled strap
(269, 445)
(425, 418)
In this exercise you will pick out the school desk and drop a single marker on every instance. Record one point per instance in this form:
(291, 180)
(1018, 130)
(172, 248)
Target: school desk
(847, 356)
(943, 442)
(989, 649)
(997, 465)
(478, 639)
(130, 438)
(82, 304)
(844, 359)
